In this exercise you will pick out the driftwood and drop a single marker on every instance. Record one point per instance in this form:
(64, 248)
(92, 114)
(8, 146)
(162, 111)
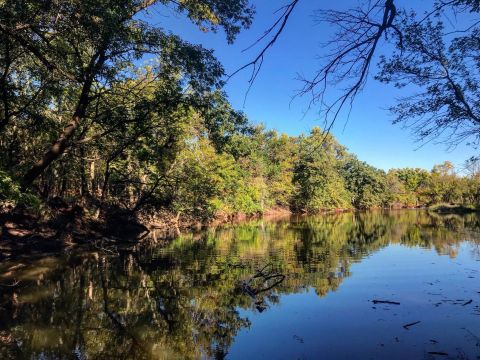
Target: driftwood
(407, 326)
(385, 302)
(268, 279)
(265, 276)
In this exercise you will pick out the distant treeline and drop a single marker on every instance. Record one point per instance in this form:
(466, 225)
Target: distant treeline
(212, 164)
(102, 108)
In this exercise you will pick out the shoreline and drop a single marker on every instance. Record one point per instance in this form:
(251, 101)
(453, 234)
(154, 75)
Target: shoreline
(23, 233)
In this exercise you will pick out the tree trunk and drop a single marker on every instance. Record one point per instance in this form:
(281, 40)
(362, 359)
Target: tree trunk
(4, 87)
(106, 178)
(59, 146)
(83, 175)
(93, 182)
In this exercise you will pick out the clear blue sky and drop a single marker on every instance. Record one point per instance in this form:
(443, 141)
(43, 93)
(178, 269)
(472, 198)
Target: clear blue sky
(369, 132)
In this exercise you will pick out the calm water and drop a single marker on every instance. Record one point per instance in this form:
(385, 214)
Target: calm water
(292, 289)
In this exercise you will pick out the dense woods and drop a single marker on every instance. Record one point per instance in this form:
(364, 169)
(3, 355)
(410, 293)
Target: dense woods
(249, 170)
(102, 111)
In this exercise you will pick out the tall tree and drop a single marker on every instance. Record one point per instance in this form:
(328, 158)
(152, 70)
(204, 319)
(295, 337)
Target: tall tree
(91, 45)
(316, 175)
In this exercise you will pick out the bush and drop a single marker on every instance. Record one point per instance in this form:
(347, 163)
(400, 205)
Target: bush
(10, 194)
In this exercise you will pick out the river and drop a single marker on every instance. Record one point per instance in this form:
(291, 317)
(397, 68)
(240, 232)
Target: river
(373, 285)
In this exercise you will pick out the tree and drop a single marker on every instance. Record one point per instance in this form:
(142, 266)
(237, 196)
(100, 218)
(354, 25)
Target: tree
(444, 185)
(319, 185)
(413, 182)
(91, 45)
(367, 184)
(472, 167)
(446, 74)
(414, 49)
(442, 63)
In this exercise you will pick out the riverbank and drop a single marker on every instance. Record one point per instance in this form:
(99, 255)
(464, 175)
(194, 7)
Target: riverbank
(24, 232)
(55, 228)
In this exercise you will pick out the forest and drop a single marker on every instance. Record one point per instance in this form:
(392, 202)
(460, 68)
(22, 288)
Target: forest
(144, 214)
(103, 114)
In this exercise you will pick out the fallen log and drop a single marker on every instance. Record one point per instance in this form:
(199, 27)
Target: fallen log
(407, 326)
(385, 302)
(261, 282)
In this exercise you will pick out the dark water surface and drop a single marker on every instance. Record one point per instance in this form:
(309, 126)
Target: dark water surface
(300, 288)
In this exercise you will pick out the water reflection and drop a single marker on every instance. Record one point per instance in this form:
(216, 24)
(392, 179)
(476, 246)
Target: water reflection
(188, 300)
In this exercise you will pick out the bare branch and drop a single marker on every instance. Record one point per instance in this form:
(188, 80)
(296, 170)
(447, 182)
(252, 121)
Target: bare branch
(356, 43)
(276, 29)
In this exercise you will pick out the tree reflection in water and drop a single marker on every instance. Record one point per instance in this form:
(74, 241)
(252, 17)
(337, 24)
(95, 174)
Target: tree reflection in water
(183, 300)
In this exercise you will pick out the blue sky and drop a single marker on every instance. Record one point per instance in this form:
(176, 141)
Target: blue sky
(368, 133)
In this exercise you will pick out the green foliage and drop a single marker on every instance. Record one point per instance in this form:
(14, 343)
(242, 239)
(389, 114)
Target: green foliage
(408, 186)
(10, 194)
(9, 190)
(319, 185)
(138, 121)
(207, 183)
(444, 186)
(367, 184)
(69, 72)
